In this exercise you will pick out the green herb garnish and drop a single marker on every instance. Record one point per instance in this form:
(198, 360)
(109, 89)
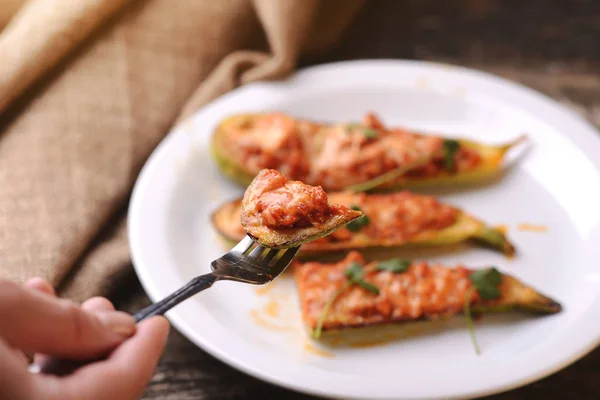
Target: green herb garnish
(470, 324)
(450, 149)
(486, 282)
(358, 223)
(355, 274)
(395, 265)
(317, 331)
(370, 133)
(350, 127)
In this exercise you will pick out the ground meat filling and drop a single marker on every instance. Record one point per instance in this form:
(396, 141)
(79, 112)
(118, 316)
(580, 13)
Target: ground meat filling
(404, 215)
(271, 141)
(344, 155)
(341, 155)
(397, 216)
(424, 291)
(464, 160)
(279, 203)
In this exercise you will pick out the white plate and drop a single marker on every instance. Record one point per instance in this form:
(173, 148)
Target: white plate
(556, 184)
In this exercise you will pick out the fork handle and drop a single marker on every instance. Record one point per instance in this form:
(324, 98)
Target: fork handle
(194, 286)
(199, 283)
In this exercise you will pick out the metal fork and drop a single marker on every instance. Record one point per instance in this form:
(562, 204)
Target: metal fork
(247, 262)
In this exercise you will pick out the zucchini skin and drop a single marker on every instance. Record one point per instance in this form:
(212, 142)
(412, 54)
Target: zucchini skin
(466, 228)
(226, 165)
(490, 167)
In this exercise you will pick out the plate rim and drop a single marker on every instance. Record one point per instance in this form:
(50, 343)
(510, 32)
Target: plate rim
(144, 179)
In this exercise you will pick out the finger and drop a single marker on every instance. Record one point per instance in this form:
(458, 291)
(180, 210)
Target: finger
(95, 304)
(124, 375)
(42, 324)
(15, 381)
(24, 358)
(40, 285)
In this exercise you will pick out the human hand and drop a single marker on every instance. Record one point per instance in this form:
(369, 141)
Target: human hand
(34, 320)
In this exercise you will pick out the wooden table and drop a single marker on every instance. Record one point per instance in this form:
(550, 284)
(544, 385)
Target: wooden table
(549, 46)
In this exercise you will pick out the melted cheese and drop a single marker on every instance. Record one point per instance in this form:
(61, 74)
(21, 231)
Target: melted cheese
(335, 156)
(424, 291)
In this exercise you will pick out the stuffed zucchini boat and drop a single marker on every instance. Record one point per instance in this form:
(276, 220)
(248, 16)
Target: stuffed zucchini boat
(401, 219)
(356, 156)
(279, 213)
(353, 294)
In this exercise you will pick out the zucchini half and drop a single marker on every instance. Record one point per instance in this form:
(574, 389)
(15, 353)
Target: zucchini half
(226, 221)
(491, 156)
(421, 292)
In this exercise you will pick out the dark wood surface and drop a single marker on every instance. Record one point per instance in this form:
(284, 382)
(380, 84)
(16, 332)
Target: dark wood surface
(551, 46)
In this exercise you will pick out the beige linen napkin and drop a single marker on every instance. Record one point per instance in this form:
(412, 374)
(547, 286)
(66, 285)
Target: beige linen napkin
(88, 88)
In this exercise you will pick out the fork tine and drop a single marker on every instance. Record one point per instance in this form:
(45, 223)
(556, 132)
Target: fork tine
(270, 255)
(243, 245)
(287, 257)
(257, 252)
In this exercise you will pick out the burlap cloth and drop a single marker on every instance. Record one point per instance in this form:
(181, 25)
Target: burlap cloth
(87, 90)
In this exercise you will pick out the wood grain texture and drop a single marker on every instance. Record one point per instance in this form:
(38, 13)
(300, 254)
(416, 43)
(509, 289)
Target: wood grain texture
(548, 46)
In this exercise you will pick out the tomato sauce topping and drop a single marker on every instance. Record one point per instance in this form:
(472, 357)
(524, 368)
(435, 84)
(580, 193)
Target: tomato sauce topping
(340, 155)
(277, 203)
(397, 217)
(424, 291)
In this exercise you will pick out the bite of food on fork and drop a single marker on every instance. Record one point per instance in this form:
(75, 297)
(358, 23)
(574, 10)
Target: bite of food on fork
(281, 213)
(279, 216)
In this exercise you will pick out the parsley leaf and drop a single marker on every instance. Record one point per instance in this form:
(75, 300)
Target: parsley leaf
(370, 133)
(368, 286)
(354, 272)
(395, 265)
(450, 149)
(350, 127)
(470, 324)
(487, 282)
(358, 223)
(316, 333)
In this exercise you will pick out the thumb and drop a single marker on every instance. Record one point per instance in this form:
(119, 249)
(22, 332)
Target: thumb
(123, 375)
(42, 324)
